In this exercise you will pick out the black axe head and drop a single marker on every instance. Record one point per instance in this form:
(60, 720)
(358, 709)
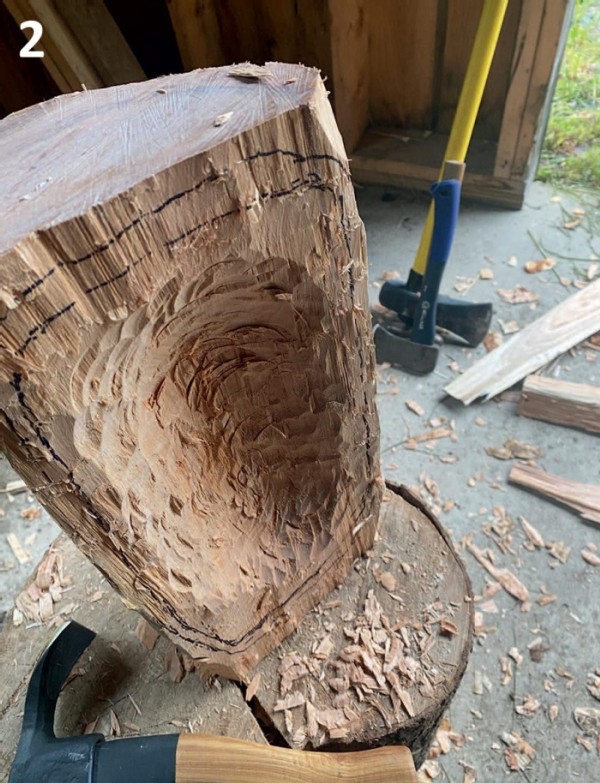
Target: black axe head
(400, 351)
(41, 756)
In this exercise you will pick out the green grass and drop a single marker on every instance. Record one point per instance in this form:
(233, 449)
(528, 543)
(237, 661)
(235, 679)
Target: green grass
(571, 153)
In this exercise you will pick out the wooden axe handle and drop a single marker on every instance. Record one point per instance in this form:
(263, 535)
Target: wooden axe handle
(203, 758)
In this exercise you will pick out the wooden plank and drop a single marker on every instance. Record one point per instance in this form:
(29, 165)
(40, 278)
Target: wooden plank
(23, 81)
(215, 210)
(540, 40)
(553, 38)
(81, 42)
(562, 327)
(583, 498)
(350, 67)
(116, 673)
(402, 62)
(561, 402)
(198, 33)
(63, 57)
(93, 27)
(532, 14)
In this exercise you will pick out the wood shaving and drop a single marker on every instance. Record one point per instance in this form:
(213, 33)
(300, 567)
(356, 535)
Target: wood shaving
(19, 551)
(486, 274)
(593, 685)
(590, 557)
(518, 295)
(492, 340)
(529, 707)
(514, 449)
(541, 265)
(248, 72)
(295, 699)
(532, 533)
(588, 720)
(33, 512)
(252, 688)
(413, 406)
(146, 634)
(508, 327)
(519, 754)
(506, 578)
(221, 119)
(174, 665)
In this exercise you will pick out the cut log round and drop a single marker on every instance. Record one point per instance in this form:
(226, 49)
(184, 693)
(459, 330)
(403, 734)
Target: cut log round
(378, 661)
(187, 375)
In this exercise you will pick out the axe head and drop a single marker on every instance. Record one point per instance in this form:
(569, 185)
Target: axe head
(400, 351)
(41, 756)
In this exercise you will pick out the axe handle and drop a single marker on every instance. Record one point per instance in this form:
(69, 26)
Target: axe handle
(203, 758)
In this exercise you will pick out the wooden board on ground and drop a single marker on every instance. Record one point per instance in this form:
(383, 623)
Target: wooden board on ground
(561, 402)
(584, 498)
(116, 672)
(562, 327)
(378, 661)
(188, 356)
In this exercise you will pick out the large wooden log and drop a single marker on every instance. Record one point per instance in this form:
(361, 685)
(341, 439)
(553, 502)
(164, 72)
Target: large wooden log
(187, 374)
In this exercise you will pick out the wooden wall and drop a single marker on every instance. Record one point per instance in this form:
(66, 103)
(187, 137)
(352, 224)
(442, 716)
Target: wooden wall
(392, 66)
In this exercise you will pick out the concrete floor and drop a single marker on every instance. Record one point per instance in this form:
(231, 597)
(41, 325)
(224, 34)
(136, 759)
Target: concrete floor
(569, 627)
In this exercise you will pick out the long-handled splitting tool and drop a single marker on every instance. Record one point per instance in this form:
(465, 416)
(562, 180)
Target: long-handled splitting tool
(172, 758)
(417, 351)
(468, 320)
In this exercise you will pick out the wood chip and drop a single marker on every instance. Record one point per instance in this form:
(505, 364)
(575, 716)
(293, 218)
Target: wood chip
(253, 686)
(514, 449)
(518, 295)
(221, 119)
(532, 533)
(506, 578)
(146, 634)
(386, 579)
(248, 72)
(590, 557)
(486, 274)
(173, 664)
(588, 720)
(295, 699)
(32, 512)
(447, 627)
(115, 726)
(414, 407)
(19, 551)
(529, 707)
(492, 340)
(541, 265)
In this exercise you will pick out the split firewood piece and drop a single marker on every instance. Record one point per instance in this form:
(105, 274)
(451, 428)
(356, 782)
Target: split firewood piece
(188, 371)
(584, 498)
(561, 402)
(567, 324)
(394, 659)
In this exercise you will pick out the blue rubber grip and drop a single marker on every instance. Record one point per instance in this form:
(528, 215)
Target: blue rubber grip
(446, 200)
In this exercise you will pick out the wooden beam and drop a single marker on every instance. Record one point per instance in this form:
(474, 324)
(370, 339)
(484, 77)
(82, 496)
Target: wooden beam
(583, 498)
(188, 363)
(349, 36)
(81, 42)
(562, 327)
(537, 54)
(560, 402)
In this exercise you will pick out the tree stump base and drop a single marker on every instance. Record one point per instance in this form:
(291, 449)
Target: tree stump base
(378, 661)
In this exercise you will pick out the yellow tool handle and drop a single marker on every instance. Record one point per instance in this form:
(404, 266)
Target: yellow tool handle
(203, 758)
(478, 69)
